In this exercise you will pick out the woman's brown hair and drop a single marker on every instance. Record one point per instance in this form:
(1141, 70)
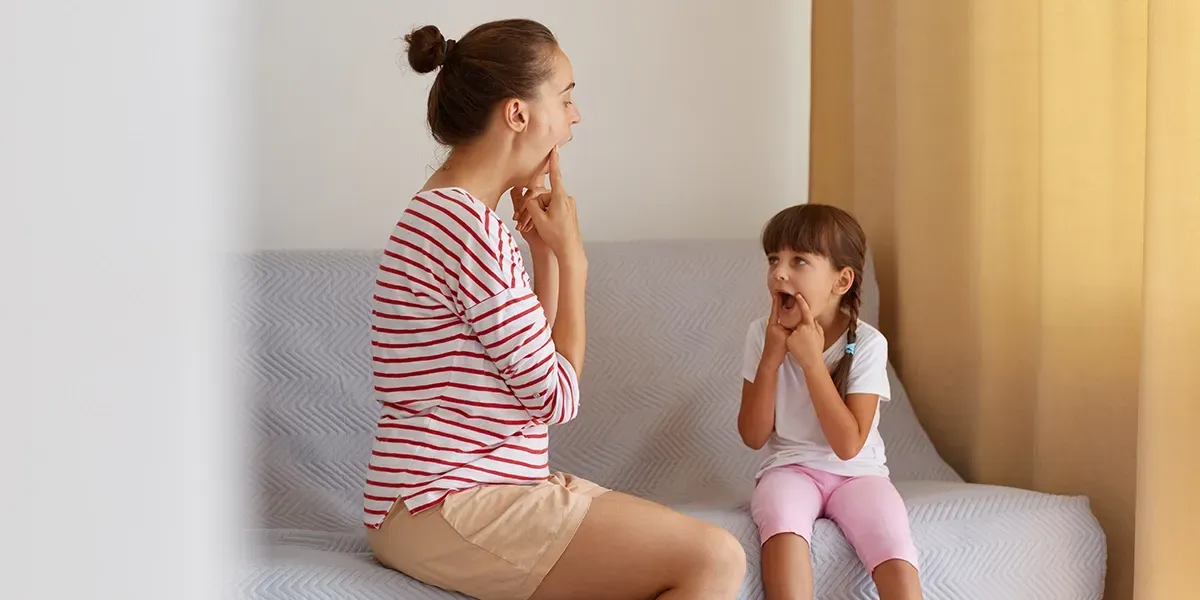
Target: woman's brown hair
(493, 62)
(832, 233)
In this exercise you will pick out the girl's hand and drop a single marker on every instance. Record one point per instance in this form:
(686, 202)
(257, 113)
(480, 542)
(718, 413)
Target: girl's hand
(775, 348)
(806, 343)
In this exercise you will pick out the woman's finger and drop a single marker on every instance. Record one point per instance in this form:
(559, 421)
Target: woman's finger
(541, 194)
(556, 182)
(521, 207)
(538, 219)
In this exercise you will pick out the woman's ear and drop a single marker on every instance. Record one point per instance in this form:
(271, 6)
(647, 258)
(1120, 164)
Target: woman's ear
(516, 114)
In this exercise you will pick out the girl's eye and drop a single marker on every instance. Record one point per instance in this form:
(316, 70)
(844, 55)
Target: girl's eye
(771, 260)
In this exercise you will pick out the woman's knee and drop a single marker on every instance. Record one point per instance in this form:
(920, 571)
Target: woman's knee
(718, 555)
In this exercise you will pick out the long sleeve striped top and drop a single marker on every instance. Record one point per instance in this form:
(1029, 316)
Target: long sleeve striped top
(465, 371)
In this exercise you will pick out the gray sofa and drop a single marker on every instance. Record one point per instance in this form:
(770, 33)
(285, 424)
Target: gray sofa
(666, 322)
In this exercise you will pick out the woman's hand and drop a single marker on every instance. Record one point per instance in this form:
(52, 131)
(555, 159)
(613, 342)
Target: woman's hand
(522, 200)
(553, 215)
(806, 343)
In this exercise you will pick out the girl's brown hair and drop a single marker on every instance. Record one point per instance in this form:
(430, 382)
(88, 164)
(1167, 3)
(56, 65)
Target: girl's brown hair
(832, 233)
(493, 62)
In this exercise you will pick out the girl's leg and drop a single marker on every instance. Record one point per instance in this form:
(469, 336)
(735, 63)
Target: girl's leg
(785, 504)
(787, 568)
(897, 578)
(628, 547)
(871, 513)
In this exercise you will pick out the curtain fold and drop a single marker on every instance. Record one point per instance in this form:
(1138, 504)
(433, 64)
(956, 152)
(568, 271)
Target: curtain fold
(1168, 478)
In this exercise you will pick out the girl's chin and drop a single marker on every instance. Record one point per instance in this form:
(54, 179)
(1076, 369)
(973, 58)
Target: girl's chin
(789, 322)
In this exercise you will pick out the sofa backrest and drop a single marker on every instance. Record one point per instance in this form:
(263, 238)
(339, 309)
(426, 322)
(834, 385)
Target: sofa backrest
(661, 386)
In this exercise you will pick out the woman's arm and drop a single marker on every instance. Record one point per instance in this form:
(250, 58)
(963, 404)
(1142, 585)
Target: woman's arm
(569, 330)
(545, 263)
(847, 423)
(545, 277)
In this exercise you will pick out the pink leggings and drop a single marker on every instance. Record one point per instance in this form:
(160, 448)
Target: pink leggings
(868, 509)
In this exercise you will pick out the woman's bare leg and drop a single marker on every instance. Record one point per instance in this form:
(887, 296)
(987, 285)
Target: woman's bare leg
(787, 568)
(627, 547)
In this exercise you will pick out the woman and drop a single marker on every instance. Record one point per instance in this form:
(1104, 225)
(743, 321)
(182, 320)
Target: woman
(471, 365)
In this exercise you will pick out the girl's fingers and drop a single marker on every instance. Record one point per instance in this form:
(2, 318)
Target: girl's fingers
(806, 315)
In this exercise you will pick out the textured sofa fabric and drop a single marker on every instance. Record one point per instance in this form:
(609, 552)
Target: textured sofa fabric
(666, 323)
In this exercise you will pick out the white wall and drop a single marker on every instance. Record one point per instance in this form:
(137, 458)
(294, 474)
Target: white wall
(119, 164)
(695, 114)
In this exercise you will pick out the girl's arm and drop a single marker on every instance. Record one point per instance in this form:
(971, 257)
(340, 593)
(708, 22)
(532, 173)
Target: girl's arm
(765, 352)
(847, 423)
(756, 419)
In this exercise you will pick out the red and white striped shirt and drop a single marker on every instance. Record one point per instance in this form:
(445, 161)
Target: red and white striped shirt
(465, 371)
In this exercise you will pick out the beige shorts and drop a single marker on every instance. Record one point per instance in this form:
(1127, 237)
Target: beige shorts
(489, 542)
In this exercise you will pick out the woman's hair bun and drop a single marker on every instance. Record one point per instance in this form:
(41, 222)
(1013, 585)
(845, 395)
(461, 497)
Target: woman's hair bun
(427, 49)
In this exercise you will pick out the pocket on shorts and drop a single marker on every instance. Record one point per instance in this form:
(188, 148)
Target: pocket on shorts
(515, 523)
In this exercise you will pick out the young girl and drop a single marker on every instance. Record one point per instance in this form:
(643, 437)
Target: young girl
(814, 376)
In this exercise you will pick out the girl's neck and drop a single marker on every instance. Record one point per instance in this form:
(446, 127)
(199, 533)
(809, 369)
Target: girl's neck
(834, 325)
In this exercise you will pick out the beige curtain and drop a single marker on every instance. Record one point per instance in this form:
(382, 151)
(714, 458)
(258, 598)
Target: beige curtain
(1029, 174)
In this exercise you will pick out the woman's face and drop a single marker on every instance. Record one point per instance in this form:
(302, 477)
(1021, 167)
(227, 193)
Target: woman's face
(551, 116)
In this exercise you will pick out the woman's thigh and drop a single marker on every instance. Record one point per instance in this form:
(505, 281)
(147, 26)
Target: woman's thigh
(628, 547)
(492, 542)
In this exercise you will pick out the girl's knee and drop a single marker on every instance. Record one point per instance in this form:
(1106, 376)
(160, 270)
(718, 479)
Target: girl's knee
(886, 549)
(898, 566)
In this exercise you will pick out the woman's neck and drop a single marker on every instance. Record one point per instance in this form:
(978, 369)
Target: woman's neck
(481, 169)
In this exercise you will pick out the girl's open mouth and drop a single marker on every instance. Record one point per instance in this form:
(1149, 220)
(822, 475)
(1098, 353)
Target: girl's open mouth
(787, 301)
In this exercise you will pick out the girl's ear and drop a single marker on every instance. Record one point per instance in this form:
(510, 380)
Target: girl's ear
(844, 281)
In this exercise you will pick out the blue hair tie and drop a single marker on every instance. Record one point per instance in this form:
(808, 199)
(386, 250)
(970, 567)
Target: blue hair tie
(850, 348)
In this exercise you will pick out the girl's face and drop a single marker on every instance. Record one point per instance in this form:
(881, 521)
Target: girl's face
(811, 276)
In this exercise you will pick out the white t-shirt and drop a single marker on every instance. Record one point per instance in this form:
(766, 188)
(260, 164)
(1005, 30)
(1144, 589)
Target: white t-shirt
(798, 438)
